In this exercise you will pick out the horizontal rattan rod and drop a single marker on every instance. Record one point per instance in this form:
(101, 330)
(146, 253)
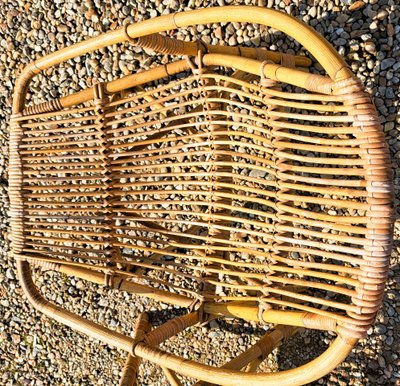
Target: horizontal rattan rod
(58, 129)
(45, 165)
(204, 143)
(182, 212)
(42, 210)
(127, 82)
(354, 229)
(61, 143)
(331, 267)
(332, 288)
(343, 203)
(321, 98)
(213, 97)
(305, 106)
(78, 156)
(187, 222)
(136, 97)
(65, 247)
(99, 177)
(55, 114)
(331, 131)
(171, 127)
(315, 300)
(317, 274)
(205, 225)
(195, 193)
(256, 253)
(179, 148)
(69, 171)
(321, 245)
(338, 316)
(192, 114)
(234, 84)
(233, 309)
(237, 177)
(201, 215)
(303, 283)
(306, 266)
(323, 181)
(121, 275)
(319, 148)
(66, 204)
(130, 369)
(65, 240)
(63, 187)
(65, 231)
(197, 256)
(321, 141)
(33, 140)
(231, 164)
(335, 203)
(191, 184)
(236, 309)
(49, 224)
(249, 310)
(345, 258)
(62, 150)
(58, 122)
(319, 160)
(311, 82)
(183, 244)
(170, 46)
(348, 239)
(126, 285)
(345, 192)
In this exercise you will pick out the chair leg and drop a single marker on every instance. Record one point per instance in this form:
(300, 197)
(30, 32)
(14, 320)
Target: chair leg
(253, 356)
(171, 376)
(130, 369)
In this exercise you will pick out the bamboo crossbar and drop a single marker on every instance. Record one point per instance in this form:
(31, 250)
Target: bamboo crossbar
(230, 181)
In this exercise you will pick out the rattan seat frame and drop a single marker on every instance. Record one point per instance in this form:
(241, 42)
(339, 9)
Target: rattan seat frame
(325, 142)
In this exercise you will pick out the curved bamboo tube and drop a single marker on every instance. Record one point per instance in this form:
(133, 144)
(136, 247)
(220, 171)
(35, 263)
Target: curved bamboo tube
(335, 354)
(313, 370)
(334, 65)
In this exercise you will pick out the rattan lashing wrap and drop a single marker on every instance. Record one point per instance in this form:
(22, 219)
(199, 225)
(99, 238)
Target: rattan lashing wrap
(226, 187)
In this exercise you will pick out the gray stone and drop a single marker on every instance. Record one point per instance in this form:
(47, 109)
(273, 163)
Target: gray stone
(387, 63)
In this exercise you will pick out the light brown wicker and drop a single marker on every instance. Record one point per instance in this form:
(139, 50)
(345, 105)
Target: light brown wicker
(231, 181)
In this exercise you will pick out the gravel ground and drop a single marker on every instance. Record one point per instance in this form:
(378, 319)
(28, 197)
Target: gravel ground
(35, 350)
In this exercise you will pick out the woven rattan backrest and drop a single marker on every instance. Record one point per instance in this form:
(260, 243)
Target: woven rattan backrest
(228, 177)
(216, 183)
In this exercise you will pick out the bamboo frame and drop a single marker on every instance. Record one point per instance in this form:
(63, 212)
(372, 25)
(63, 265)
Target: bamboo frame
(340, 127)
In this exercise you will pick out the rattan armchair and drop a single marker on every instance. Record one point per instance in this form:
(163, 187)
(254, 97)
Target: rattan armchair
(231, 181)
